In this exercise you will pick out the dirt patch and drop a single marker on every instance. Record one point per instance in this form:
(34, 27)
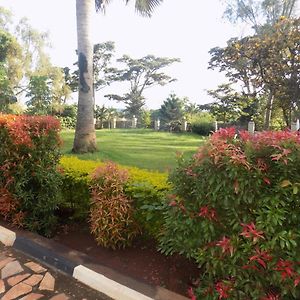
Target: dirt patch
(141, 261)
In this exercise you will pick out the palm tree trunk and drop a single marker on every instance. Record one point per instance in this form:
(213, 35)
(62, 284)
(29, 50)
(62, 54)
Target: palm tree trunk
(85, 137)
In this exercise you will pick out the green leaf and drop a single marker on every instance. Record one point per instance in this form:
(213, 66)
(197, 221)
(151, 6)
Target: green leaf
(295, 189)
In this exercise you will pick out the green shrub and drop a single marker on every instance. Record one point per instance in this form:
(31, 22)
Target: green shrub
(146, 189)
(203, 128)
(67, 122)
(236, 211)
(202, 124)
(111, 219)
(75, 187)
(29, 179)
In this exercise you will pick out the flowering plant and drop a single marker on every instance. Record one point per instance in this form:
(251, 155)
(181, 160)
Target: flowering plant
(237, 213)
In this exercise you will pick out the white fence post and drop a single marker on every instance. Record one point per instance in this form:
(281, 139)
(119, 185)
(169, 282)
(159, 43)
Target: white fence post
(295, 125)
(113, 123)
(251, 127)
(216, 126)
(134, 121)
(156, 124)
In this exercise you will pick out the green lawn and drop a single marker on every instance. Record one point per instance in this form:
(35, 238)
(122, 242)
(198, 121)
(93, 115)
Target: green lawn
(142, 148)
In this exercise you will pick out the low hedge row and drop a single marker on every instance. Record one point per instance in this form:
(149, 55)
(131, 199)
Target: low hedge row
(147, 189)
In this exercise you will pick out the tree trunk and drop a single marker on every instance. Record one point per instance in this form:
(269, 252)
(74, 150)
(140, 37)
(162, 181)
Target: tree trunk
(85, 136)
(269, 109)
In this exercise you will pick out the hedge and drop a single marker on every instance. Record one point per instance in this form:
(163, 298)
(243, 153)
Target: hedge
(147, 189)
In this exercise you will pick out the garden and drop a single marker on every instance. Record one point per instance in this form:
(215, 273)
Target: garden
(222, 225)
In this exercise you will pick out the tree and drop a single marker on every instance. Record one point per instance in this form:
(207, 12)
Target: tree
(228, 106)
(172, 111)
(85, 138)
(39, 102)
(267, 65)
(103, 52)
(23, 65)
(259, 13)
(10, 54)
(262, 15)
(142, 73)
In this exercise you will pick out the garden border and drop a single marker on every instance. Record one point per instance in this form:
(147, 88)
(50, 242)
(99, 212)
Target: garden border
(82, 268)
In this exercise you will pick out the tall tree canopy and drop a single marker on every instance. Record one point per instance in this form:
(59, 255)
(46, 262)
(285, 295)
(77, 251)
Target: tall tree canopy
(142, 73)
(265, 64)
(259, 13)
(23, 58)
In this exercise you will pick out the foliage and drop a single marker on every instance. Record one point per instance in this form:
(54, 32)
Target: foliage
(103, 53)
(10, 54)
(202, 123)
(75, 187)
(171, 111)
(67, 116)
(142, 186)
(235, 210)
(148, 195)
(39, 95)
(145, 120)
(259, 13)
(229, 104)
(67, 122)
(203, 128)
(142, 74)
(267, 66)
(29, 179)
(23, 60)
(111, 217)
(103, 114)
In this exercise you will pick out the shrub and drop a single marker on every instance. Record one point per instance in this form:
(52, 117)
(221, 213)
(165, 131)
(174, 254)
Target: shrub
(29, 180)
(75, 187)
(67, 122)
(202, 128)
(202, 124)
(236, 211)
(146, 189)
(111, 219)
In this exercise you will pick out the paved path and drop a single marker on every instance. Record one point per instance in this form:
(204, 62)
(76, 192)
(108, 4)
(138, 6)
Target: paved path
(24, 278)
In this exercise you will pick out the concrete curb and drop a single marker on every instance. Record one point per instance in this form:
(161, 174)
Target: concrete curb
(79, 266)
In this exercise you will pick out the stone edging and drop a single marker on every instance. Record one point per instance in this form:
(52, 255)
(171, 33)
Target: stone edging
(78, 265)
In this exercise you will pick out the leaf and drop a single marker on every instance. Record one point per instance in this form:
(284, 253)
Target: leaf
(285, 183)
(295, 189)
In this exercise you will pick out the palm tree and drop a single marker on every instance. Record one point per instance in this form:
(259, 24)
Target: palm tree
(85, 137)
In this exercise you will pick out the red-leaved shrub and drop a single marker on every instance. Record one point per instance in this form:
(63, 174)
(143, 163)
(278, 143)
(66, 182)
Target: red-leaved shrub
(29, 181)
(235, 209)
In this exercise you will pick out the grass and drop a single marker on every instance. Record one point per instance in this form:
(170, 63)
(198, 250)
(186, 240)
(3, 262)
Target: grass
(141, 148)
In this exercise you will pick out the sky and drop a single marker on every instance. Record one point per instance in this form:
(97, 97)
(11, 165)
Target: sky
(176, 30)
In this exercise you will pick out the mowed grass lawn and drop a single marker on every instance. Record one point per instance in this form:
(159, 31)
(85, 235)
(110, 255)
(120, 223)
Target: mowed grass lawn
(141, 148)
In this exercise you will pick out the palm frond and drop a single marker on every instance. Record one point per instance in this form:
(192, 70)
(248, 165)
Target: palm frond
(100, 5)
(146, 7)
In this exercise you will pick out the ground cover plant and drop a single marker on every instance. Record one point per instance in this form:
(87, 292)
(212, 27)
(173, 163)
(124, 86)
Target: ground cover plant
(235, 209)
(141, 148)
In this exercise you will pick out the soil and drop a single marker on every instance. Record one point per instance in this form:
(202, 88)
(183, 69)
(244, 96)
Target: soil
(141, 261)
